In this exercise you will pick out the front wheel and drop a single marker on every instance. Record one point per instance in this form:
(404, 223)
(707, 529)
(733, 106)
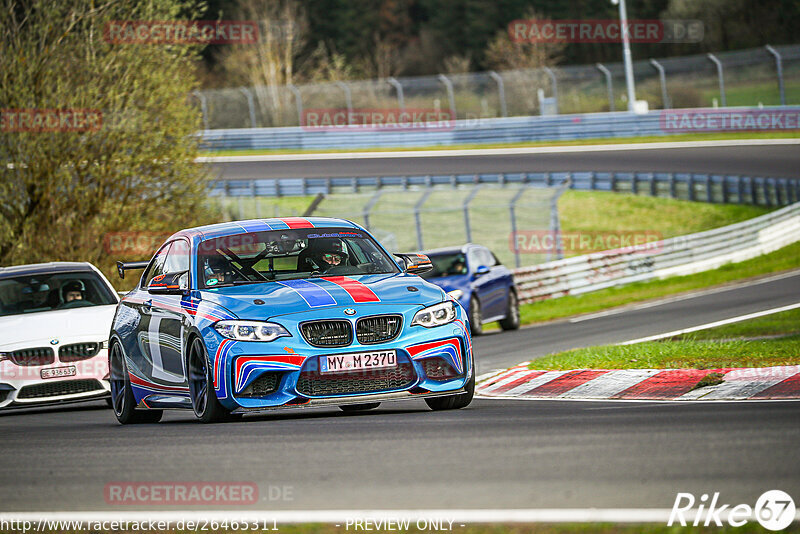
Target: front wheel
(122, 400)
(455, 402)
(205, 404)
(475, 320)
(511, 322)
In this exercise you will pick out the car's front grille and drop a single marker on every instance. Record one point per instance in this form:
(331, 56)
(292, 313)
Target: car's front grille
(378, 329)
(35, 356)
(439, 369)
(4, 393)
(262, 386)
(328, 333)
(78, 351)
(58, 388)
(315, 384)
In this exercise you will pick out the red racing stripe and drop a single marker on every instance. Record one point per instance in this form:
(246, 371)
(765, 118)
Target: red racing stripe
(358, 291)
(297, 222)
(665, 385)
(564, 383)
(788, 389)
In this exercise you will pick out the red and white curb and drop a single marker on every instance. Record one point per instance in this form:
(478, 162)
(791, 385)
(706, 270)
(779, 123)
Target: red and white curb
(781, 382)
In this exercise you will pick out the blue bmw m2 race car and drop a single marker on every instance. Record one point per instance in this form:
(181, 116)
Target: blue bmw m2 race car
(246, 316)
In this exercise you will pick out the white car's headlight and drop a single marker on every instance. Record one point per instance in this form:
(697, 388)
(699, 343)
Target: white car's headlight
(436, 315)
(250, 330)
(456, 293)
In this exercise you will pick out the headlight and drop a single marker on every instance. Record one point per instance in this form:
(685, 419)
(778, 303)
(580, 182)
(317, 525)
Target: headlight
(436, 315)
(250, 330)
(456, 293)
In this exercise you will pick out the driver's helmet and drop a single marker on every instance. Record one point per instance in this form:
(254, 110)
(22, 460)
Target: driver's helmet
(217, 268)
(331, 252)
(72, 286)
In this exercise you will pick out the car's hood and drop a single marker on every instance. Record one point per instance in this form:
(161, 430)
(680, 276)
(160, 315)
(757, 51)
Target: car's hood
(76, 324)
(296, 296)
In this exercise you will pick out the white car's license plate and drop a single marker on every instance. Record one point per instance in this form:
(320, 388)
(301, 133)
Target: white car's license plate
(359, 361)
(58, 372)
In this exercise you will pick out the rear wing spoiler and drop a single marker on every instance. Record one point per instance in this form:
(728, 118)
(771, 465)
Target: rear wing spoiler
(130, 266)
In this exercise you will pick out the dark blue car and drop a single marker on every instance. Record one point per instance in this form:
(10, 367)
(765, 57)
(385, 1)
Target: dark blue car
(476, 278)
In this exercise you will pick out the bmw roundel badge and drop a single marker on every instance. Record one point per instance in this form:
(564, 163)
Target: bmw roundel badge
(54, 342)
(349, 311)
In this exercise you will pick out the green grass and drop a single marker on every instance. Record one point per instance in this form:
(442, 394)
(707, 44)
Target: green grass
(577, 142)
(546, 310)
(779, 324)
(590, 211)
(766, 93)
(689, 354)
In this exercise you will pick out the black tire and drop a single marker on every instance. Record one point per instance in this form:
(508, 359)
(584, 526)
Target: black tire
(205, 404)
(359, 407)
(511, 322)
(475, 321)
(457, 401)
(122, 401)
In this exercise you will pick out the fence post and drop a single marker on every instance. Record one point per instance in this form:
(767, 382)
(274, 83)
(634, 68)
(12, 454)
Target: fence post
(203, 107)
(740, 189)
(417, 221)
(398, 87)
(673, 190)
(251, 107)
(634, 184)
(298, 100)
(613, 182)
(709, 189)
(767, 195)
(348, 98)
(718, 63)
(609, 86)
(501, 92)
(512, 212)
(653, 185)
(368, 207)
(779, 68)
(724, 188)
(465, 208)
(554, 83)
(555, 220)
(450, 95)
(690, 186)
(663, 79)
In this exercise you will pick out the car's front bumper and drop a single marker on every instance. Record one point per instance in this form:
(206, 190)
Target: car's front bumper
(292, 362)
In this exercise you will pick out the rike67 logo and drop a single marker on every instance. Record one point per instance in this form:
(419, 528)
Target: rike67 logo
(774, 510)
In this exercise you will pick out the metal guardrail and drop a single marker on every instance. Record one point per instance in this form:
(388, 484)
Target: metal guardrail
(462, 132)
(675, 256)
(713, 188)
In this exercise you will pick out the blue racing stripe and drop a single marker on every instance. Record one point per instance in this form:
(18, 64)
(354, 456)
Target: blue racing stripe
(255, 226)
(313, 294)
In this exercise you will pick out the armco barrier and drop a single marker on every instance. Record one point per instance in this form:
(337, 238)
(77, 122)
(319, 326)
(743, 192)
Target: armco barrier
(473, 131)
(712, 188)
(677, 256)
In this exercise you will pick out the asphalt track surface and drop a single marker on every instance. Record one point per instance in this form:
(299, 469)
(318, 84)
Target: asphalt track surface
(493, 454)
(768, 160)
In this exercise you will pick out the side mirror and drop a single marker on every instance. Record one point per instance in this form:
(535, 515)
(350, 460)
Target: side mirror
(481, 270)
(169, 284)
(416, 263)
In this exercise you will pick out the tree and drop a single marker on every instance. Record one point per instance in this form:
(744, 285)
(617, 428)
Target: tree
(66, 188)
(269, 64)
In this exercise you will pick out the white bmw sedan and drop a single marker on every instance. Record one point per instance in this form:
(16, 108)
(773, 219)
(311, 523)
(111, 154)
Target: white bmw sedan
(54, 324)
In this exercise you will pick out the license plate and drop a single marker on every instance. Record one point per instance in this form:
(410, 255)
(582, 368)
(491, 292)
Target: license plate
(58, 372)
(359, 361)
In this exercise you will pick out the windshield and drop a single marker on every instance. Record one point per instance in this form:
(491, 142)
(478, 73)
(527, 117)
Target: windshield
(447, 265)
(289, 254)
(57, 291)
